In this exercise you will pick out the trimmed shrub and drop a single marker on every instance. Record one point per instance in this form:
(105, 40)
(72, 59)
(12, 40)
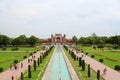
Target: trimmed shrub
(31, 54)
(1, 69)
(25, 57)
(3, 48)
(15, 61)
(15, 49)
(22, 76)
(117, 67)
(92, 56)
(34, 51)
(86, 53)
(101, 60)
(98, 74)
(94, 47)
(80, 61)
(34, 65)
(83, 65)
(89, 70)
(29, 71)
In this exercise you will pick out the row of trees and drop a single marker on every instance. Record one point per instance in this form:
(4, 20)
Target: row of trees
(95, 40)
(18, 41)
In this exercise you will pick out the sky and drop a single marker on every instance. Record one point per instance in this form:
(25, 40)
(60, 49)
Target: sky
(71, 17)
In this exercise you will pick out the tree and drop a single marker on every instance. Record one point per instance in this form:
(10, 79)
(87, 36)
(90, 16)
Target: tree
(33, 40)
(74, 39)
(4, 40)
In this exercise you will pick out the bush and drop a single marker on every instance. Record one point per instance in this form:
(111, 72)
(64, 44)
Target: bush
(3, 48)
(15, 61)
(34, 51)
(15, 49)
(100, 60)
(92, 56)
(117, 67)
(25, 57)
(31, 54)
(86, 53)
(115, 46)
(1, 69)
(100, 46)
(94, 47)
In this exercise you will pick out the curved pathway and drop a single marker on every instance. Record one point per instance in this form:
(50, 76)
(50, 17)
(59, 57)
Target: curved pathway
(7, 75)
(95, 65)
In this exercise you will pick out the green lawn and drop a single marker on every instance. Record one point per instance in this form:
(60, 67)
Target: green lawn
(37, 75)
(91, 48)
(81, 74)
(7, 58)
(110, 58)
(23, 49)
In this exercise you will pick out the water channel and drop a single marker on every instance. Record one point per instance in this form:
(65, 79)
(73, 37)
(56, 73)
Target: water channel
(59, 69)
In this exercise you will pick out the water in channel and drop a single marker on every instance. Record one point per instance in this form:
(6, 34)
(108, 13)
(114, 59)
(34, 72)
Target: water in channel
(59, 68)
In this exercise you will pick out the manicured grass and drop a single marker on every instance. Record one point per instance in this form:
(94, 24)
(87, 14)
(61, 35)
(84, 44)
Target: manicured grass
(81, 74)
(110, 58)
(91, 48)
(23, 48)
(37, 75)
(7, 58)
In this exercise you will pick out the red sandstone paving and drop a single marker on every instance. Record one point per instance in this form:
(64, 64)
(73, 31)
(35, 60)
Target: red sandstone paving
(95, 65)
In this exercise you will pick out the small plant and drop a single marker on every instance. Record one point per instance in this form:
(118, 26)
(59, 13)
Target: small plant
(29, 71)
(101, 60)
(89, 70)
(80, 61)
(15, 49)
(98, 74)
(86, 53)
(83, 65)
(1, 69)
(92, 56)
(22, 76)
(15, 61)
(31, 54)
(117, 67)
(25, 57)
(34, 51)
(34, 65)
(3, 48)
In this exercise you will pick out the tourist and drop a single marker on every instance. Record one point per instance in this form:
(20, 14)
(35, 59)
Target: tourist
(10, 66)
(12, 77)
(21, 65)
(28, 60)
(104, 71)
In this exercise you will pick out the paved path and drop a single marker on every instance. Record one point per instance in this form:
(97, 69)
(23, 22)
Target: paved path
(48, 73)
(6, 75)
(95, 65)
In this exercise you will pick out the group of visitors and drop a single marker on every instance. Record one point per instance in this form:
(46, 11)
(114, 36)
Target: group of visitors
(32, 59)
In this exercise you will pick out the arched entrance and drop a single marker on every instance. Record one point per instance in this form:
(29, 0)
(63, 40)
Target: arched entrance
(58, 39)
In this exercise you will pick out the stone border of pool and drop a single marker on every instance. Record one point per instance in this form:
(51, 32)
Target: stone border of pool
(72, 72)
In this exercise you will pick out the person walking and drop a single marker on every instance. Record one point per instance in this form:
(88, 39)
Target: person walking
(104, 71)
(12, 77)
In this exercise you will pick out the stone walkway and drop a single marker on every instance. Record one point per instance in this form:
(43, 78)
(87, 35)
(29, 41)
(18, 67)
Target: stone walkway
(95, 65)
(48, 73)
(6, 75)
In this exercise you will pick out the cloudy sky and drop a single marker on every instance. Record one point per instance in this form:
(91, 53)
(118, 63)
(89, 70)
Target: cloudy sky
(71, 17)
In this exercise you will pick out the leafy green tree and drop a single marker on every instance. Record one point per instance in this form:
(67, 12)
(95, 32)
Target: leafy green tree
(74, 39)
(33, 40)
(4, 40)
